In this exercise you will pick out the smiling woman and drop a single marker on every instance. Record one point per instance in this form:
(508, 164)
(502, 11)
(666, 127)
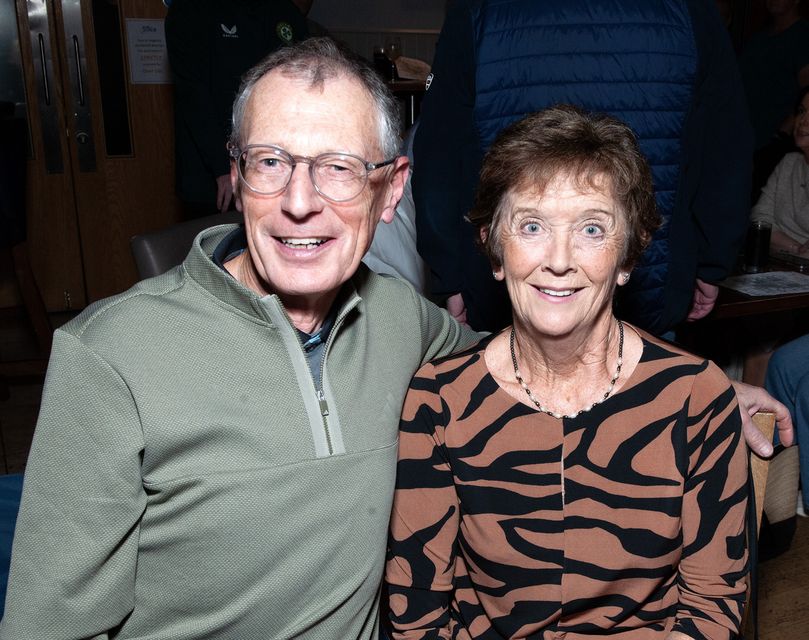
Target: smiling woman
(548, 479)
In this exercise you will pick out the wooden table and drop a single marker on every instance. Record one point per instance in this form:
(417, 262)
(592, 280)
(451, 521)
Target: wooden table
(750, 326)
(732, 304)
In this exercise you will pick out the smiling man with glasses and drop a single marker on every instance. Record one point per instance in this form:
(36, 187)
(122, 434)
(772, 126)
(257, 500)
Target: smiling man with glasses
(216, 451)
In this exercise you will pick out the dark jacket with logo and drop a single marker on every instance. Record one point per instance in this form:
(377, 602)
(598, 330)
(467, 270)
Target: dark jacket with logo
(211, 43)
(666, 67)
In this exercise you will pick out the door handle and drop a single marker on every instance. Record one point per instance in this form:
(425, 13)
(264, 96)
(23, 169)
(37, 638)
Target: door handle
(43, 61)
(79, 75)
(82, 124)
(47, 103)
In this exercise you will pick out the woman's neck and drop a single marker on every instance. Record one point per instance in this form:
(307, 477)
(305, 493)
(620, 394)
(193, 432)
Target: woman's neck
(568, 366)
(556, 358)
(565, 377)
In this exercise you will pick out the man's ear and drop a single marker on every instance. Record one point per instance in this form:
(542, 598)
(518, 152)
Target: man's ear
(235, 185)
(395, 188)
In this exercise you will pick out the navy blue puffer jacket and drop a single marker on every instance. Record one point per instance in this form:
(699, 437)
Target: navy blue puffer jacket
(666, 67)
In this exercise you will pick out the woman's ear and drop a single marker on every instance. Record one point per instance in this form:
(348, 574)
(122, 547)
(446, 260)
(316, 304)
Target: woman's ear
(497, 269)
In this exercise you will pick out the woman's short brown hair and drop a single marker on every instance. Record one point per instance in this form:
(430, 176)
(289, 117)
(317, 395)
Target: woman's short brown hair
(565, 140)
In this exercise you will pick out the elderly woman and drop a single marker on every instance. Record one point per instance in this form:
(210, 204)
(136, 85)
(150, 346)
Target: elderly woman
(784, 201)
(571, 476)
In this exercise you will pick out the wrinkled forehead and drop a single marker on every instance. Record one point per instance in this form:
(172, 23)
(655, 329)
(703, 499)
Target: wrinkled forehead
(305, 117)
(532, 185)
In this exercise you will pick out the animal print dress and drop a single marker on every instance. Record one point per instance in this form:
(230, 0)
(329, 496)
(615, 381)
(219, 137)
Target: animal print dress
(626, 521)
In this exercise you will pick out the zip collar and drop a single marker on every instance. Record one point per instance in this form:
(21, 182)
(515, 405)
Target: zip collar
(201, 267)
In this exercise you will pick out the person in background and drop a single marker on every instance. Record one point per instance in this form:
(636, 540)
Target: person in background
(666, 67)
(784, 201)
(211, 43)
(572, 476)
(787, 380)
(774, 66)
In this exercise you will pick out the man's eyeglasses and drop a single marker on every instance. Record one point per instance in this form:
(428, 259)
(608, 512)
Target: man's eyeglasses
(338, 177)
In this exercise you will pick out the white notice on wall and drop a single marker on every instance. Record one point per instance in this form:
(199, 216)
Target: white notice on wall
(146, 46)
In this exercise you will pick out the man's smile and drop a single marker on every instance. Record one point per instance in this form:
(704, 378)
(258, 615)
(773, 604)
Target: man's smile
(302, 243)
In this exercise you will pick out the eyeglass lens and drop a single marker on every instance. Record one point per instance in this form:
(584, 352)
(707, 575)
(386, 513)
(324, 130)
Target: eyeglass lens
(268, 170)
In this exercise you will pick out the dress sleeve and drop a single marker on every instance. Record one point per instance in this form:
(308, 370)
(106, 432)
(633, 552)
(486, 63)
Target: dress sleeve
(75, 547)
(447, 155)
(424, 520)
(713, 572)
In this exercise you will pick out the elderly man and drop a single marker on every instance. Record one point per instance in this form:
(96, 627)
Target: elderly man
(216, 448)
(216, 451)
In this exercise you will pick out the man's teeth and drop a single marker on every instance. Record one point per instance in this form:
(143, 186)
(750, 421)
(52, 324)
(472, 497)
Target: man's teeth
(308, 243)
(558, 294)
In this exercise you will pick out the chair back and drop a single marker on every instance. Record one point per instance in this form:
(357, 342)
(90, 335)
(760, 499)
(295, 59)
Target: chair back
(759, 471)
(760, 467)
(158, 251)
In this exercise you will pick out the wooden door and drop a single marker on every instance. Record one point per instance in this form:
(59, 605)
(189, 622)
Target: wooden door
(53, 235)
(116, 144)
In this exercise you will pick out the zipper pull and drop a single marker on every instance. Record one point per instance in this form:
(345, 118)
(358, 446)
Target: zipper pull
(321, 399)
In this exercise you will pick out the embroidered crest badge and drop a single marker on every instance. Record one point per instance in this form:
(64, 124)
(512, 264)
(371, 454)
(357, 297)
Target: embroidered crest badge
(284, 31)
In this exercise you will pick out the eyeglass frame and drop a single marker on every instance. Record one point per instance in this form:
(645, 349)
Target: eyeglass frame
(236, 154)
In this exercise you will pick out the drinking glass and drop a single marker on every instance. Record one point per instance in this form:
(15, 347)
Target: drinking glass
(393, 49)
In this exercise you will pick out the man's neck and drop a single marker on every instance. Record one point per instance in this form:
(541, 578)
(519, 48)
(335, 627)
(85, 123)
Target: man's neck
(306, 313)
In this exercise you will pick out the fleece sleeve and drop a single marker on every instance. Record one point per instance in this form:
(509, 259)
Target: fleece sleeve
(75, 547)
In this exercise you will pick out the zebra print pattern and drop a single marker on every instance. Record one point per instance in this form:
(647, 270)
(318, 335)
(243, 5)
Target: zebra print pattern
(627, 521)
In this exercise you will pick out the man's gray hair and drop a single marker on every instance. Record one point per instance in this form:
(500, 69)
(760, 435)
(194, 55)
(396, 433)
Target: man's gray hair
(317, 60)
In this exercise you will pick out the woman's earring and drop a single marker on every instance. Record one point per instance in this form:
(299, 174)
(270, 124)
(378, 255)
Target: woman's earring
(625, 277)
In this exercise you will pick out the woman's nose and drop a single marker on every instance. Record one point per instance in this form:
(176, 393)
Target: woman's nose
(559, 255)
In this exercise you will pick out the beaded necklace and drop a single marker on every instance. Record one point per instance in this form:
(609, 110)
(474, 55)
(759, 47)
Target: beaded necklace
(555, 414)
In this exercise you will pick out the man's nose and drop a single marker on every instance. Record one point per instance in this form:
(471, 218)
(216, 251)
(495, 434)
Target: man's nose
(300, 197)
